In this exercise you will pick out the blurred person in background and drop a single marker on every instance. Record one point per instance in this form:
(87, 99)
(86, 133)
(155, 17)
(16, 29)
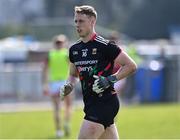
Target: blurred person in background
(92, 59)
(129, 94)
(56, 70)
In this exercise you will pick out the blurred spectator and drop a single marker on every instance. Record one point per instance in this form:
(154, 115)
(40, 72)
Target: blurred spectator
(129, 92)
(56, 70)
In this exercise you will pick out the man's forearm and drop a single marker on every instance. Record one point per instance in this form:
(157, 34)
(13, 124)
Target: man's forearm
(72, 80)
(68, 87)
(125, 71)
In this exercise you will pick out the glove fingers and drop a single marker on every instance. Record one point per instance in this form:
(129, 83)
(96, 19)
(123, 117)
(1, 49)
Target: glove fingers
(95, 85)
(61, 93)
(97, 90)
(96, 82)
(61, 90)
(100, 84)
(96, 77)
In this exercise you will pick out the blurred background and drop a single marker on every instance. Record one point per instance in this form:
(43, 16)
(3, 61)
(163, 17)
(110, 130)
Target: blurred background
(149, 31)
(151, 28)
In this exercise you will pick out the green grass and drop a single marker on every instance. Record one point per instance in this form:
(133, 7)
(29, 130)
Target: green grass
(150, 122)
(158, 121)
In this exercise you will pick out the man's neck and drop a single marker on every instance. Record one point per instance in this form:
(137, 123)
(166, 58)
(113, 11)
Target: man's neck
(89, 37)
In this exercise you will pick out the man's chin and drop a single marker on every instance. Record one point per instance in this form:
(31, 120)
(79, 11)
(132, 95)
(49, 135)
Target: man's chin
(82, 36)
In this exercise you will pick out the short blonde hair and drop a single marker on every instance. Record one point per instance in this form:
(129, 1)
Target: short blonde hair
(86, 9)
(60, 38)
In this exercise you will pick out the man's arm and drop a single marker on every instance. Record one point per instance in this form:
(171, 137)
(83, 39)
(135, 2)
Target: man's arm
(128, 66)
(68, 87)
(73, 74)
(45, 77)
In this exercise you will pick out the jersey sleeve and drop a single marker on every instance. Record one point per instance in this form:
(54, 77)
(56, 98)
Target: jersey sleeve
(111, 51)
(70, 55)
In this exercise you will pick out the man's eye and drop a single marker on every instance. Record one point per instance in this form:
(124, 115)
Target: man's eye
(80, 21)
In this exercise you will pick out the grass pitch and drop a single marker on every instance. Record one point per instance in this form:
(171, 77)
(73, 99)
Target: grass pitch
(157, 121)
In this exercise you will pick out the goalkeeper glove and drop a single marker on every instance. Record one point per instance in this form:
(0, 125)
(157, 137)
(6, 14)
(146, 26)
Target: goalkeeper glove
(102, 83)
(65, 90)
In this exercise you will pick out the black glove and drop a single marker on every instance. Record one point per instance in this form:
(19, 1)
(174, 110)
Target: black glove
(65, 90)
(102, 83)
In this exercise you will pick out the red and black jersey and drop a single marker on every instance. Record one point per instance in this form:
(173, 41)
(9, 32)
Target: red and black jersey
(95, 57)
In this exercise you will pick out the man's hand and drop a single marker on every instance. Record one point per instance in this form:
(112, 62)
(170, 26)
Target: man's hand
(101, 83)
(65, 90)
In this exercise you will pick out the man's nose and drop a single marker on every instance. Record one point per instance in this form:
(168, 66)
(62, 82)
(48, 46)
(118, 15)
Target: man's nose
(77, 25)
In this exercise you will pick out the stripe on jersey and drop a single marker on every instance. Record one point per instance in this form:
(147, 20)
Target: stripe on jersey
(78, 41)
(101, 40)
(106, 69)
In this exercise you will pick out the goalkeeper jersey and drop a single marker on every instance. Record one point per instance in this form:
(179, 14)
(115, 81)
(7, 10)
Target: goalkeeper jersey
(95, 57)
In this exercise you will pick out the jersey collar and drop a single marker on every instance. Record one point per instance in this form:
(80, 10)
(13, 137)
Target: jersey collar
(93, 36)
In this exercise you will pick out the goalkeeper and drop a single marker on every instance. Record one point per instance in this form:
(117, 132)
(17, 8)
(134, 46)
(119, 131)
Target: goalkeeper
(92, 59)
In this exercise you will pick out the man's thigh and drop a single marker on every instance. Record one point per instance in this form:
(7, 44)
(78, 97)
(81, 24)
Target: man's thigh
(110, 133)
(90, 130)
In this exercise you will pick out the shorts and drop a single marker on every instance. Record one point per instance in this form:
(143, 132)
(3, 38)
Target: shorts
(54, 87)
(103, 112)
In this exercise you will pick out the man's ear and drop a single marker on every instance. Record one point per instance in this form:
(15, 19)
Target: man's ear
(93, 20)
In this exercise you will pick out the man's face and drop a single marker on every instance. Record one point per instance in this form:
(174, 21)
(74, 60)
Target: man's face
(84, 24)
(59, 44)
